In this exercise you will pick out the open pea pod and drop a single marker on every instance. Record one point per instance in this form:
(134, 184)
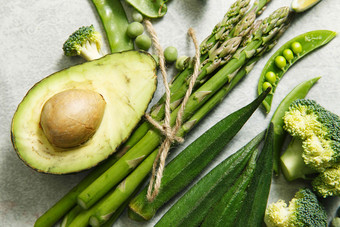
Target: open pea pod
(286, 56)
(151, 9)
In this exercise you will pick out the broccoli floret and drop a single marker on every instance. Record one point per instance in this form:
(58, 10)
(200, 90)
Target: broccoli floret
(85, 42)
(336, 222)
(319, 130)
(327, 183)
(303, 210)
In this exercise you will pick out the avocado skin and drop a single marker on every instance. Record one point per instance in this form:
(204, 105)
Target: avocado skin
(129, 81)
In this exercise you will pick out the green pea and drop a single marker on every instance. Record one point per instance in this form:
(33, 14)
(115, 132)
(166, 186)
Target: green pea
(170, 54)
(270, 77)
(143, 42)
(280, 61)
(266, 85)
(135, 29)
(288, 54)
(137, 16)
(296, 47)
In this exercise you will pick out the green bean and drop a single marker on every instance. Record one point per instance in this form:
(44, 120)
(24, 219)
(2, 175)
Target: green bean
(298, 92)
(113, 17)
(300, 46)
(151, 9)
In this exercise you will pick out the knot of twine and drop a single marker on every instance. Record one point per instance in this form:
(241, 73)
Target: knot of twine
(165, 128)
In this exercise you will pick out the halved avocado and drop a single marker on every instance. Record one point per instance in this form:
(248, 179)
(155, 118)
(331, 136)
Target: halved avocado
(126, 81)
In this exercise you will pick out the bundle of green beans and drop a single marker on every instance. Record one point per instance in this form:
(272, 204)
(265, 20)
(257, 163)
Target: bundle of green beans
(145, 141)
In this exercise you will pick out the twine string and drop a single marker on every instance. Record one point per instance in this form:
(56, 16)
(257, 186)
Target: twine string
(165, 128)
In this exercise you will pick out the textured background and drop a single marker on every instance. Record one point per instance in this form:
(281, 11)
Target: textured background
(32, 34)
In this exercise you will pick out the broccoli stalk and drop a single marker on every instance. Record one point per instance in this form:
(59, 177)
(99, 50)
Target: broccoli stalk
(303, 210)
(292, 163)
(315, 147)
(85, 42)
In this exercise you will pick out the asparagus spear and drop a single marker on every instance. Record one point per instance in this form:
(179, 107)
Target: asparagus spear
(231, 18)
(66, 203)
(222, 29)
(270, 27)
(119, 195)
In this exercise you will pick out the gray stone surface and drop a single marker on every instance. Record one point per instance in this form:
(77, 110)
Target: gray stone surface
(32, 34)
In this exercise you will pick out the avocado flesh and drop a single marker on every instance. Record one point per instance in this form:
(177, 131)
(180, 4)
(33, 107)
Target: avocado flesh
(126, 80)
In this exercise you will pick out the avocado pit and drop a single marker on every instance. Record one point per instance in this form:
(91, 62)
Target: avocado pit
(71, 117)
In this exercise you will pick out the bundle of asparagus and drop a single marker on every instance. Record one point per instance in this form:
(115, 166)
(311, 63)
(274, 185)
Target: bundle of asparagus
(244, 43)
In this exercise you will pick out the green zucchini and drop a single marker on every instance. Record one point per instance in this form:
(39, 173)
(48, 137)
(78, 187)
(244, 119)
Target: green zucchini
(191, 161)
(192, 208)
(255, 203)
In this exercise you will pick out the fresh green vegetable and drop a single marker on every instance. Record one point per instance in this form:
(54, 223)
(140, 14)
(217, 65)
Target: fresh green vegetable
(319, 132)
(300, 46)
(335, 222)
(70, 216)
(327, 183)
(298, 92)
(102, 211)
(170, 54)
(266, 85)
(336, 219)
(255, 202)
(113, 17)
(134, 29)
(137, 16)
(222, 30)
(192, 160)
(227, 209)
(151, 9)
(270, 77)
(143, 42)
(194, 205)
(69, 201)
(288, 55)
(280, 62)
(263, 37)
(296, 47)
(182, 62)
(318, 129)
(303, 210)
(85, 42)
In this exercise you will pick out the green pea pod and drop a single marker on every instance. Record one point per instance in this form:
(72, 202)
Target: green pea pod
(298, 92)
(115, 22)
(151, 9)
(309, 41)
